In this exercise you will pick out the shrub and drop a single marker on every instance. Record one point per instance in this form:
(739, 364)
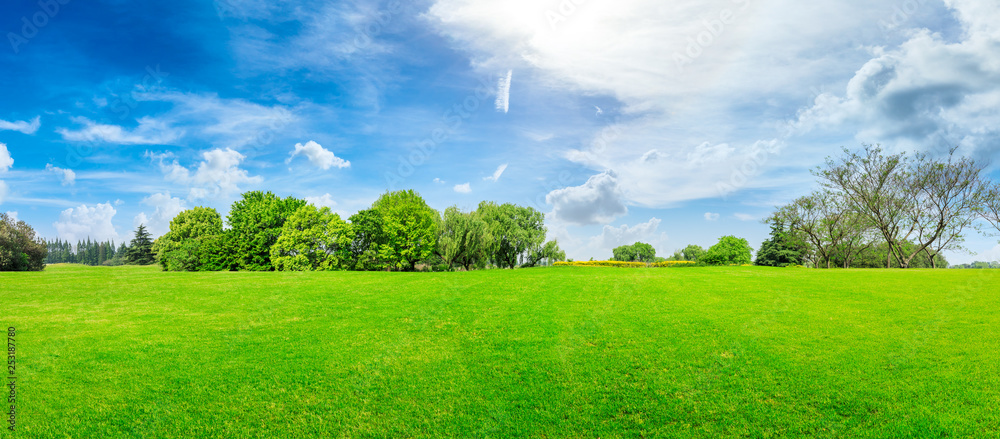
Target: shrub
(730, 250)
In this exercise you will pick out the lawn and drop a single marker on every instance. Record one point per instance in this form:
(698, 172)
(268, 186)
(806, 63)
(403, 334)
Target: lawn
(548, 352)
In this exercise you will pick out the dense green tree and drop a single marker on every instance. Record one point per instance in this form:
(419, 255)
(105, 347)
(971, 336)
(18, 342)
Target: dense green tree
(256, 221)
(514, 230)
(313, 239)
(409, 231)
(20, 248)
(180, 248)
(370, 250)
(463, 239)
(638, 252)
(730, 250)
(693, 253)
(218, 252)
(140, 250)
(624, 253)
(782, 248)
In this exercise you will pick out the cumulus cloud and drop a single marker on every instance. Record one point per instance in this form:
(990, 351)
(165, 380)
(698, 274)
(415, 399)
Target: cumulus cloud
(324, 200)
(150, 131)
(929, 93)
(463, 188)
(320, 157)
(165, 208)
(217, 175)
(598, 201)
(94, 222)
(496, 174)
(612, 237)
(503, 92)
(67, 176)
(709, 216)
(6, 161)
(22, 126)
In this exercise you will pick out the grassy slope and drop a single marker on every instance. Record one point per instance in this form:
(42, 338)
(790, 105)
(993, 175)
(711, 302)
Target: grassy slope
(563, 352)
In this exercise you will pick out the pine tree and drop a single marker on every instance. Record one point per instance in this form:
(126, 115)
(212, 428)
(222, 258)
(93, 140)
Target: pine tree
(141, 248)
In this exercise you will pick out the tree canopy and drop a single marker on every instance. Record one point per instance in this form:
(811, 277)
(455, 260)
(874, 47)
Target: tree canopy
(730, 250)
(20, 248)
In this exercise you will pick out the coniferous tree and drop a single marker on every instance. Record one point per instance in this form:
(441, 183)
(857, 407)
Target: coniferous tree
(141, 248)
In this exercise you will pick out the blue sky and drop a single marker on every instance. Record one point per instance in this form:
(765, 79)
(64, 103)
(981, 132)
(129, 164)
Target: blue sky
(670, 122)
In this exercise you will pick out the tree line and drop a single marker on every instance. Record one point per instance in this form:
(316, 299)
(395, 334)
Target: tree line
(103, 253)
(730, 250)
(875, 209)
(399, 232)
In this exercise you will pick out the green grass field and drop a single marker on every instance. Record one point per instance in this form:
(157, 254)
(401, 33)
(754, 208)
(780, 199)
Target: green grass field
(551, 352)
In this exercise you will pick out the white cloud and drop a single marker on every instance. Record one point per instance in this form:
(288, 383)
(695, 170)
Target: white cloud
(744, 217)
(324, 200)
(67, 176)
(319, 156)
(709, 216)
(4, 190)
(503, 92)
(13, 216)
(496, 174)
(598, 201)
(751, 66)
(439, 181)
(22, 126)
(94, 222)
(612, 237)
(929, 93)
(650, 156)
(150, 131)
(464, 188)
(165, 207)
(218, 174)
(6, 161)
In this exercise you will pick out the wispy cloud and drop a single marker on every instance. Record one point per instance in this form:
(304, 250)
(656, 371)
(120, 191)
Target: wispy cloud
(22, 126)
(503, 92)
(150, 131)
(709, 216)
(496, 174)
